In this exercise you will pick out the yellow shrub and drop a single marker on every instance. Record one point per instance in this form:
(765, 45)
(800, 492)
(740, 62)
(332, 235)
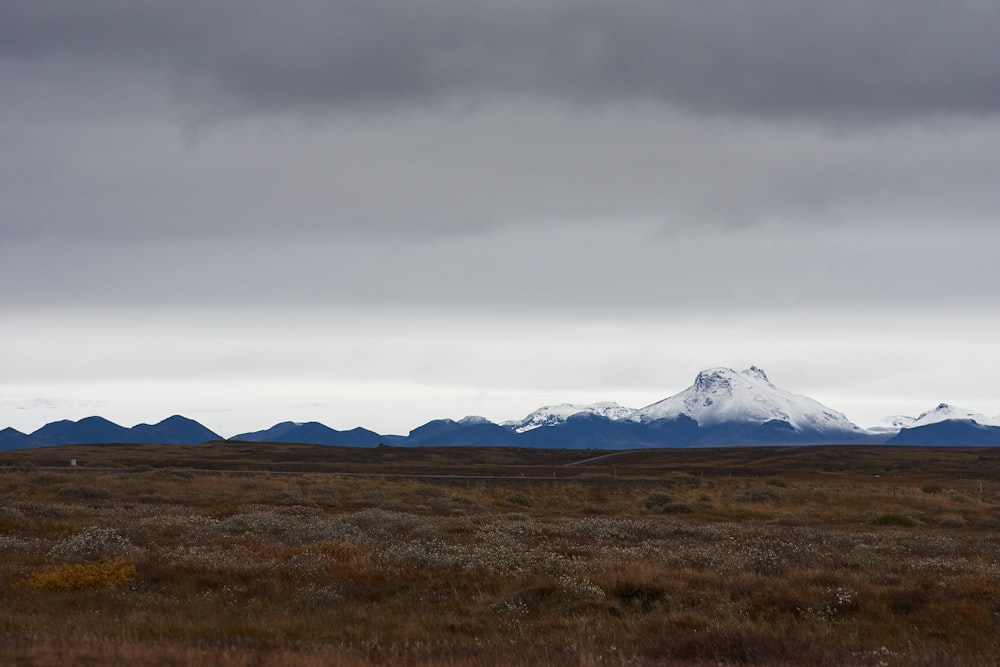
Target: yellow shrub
(104, 573)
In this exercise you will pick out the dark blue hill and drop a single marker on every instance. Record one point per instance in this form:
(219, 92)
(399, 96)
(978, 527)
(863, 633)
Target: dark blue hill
(313, 433)
(949, 433)
(589, 431)
(681, 431)
(11, 438)
(87, 431)
(175, 430)
(267, 435)
(450, 433)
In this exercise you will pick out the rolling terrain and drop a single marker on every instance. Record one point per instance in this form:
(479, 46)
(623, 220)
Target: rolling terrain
(965, 462)
(237, 554)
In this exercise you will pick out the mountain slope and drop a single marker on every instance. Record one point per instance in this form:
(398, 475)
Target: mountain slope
(551, 415)
(470, 431)
(90, 430)
(945, 412)
(950, 432)
(11, 438)
(267, 435)
(722, 396)
(585, 430)
(313, 433)
(175, 430)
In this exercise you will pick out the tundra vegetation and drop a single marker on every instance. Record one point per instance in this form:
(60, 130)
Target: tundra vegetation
(673, 559)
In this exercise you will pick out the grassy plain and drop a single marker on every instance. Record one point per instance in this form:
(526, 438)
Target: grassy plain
(299, 555)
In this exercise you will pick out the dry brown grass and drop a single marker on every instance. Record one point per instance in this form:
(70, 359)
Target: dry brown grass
(614, 568)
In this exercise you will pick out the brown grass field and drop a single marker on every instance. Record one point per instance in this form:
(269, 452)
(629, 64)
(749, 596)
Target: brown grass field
(304, 555)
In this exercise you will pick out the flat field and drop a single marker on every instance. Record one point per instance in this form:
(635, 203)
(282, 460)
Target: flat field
(254, 554)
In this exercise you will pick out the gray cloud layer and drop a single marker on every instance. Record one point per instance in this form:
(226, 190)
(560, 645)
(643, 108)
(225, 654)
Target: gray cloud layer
(596, 150)
(422, 175)
(850, 60)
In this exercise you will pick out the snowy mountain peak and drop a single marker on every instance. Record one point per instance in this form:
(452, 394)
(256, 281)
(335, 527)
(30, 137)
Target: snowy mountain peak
(552, 415)
(944, 412)
(723, 395)
(726, 379)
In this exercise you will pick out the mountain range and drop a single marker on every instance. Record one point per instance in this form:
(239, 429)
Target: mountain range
(176, 430)
(723, 407)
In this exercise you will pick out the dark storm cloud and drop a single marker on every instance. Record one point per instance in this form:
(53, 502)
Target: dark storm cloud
(848, 59)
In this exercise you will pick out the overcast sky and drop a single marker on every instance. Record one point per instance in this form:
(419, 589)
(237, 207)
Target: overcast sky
(377, 213)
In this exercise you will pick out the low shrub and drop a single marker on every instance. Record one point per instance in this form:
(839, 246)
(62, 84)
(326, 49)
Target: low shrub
(951, 521)
(891, 519)
(105, 573)
(521, 499)
(82, 492)
(676, 508)
(638, 594)
(92, 543)
(657, 501)
(683, 479)
(908, 600)
(12, 524)
(758, 494)
(734, 514)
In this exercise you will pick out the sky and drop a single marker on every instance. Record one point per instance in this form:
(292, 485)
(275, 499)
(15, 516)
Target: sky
(378, 213)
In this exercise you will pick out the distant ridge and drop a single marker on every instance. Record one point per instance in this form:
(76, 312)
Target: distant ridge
(946, 412)
(11, 438)
(724, 396)
(468, 431)
(723, 407)
(313, 433)
(553, 415)
(89, 430)
(175, 430)
(950, 432)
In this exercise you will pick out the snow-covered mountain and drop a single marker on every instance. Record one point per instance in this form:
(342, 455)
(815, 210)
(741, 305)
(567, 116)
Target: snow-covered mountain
(553, 415)
(723, 407)
(945, 412)
(948, 425)
(949, 433)
(722, 396)
(891, 425)
(897, 421)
